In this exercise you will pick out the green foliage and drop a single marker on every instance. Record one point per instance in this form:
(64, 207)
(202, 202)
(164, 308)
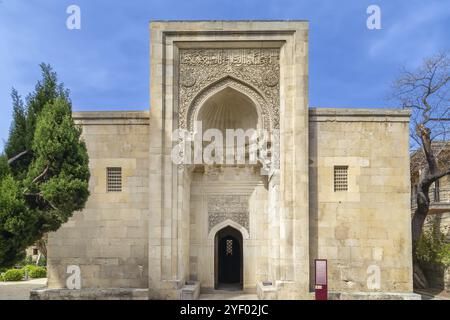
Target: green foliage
(42, 262)
(36, 271)
(14, 275)
(2, 271)
(17, 222)
(59, 152)
(27, 261)
(433, 247)
(28, 267)
(17, 141)
(40, 190)
(4, 168)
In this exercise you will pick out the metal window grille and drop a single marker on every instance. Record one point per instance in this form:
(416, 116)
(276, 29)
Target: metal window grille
(114, 176)
(340, 178)
(229, 247)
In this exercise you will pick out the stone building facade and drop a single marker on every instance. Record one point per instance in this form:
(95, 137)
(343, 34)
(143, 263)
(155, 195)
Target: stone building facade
(340, 190)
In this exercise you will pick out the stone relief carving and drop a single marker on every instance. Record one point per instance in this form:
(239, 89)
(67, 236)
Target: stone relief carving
(223, 207)
(255, 72)
(187, 80)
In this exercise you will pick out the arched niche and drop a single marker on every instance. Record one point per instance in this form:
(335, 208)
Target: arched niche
(228, 109)
(236, 90)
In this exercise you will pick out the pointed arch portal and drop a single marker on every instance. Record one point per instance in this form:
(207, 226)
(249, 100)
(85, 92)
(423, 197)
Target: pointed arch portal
(228, 259)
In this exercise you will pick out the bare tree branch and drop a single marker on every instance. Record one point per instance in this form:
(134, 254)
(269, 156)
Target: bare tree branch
(18, 156)
(42, 175)
(425, 92)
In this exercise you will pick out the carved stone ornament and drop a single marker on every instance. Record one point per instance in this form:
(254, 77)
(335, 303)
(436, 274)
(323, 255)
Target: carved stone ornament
(271, 78)
(187, 80)
(224, 207)
(254, 72)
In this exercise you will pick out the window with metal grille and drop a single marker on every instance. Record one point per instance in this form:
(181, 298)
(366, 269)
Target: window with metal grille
(114, 176)
(340, 178)
(229, 247)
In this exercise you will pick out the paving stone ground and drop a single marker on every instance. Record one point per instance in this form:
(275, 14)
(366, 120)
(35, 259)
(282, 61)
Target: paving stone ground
(221, 295)
(20, 290)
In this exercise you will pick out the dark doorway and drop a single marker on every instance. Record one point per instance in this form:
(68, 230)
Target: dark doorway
(228, 259)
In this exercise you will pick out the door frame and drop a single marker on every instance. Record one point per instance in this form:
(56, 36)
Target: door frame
(228, 230)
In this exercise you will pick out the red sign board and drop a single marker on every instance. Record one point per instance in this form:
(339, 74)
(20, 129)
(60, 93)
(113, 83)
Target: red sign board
(321, 279)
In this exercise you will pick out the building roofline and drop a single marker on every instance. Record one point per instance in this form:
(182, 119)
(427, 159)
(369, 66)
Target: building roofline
(111, 117)
(239, 20)
(359, 112)
(313, 111)
(130, 114)
(242, 26)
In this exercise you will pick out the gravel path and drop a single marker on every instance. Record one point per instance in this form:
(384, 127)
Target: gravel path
(20, 290)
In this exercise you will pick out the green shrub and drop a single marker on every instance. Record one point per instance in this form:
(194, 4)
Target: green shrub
(25, 261)
(13, 275)
(42, 262)
(433, 248)
(37, 272)
(27, 269)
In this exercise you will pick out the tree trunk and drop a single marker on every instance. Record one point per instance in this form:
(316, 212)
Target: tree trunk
(423, 205)
(419, 279)
(42, 246)
(426, 180)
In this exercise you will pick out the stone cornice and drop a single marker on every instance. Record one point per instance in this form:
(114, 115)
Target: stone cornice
(358, 115)
(111, 117)
(315, 115)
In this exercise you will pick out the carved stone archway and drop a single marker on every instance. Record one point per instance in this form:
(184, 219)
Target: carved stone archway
(254, 72)
(228, 223)
(265, 113)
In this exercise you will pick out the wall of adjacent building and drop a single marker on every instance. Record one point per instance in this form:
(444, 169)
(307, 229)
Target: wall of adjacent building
(108, 240)
(366, 228)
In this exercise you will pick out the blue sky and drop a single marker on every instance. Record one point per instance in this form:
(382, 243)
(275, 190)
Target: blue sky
(106, 63)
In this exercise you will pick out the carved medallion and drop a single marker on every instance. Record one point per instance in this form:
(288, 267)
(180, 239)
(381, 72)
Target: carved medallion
(187, 79)
(271, 78)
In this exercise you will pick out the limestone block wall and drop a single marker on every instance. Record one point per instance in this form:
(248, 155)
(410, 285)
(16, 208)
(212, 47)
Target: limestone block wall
(273, 224)
(367, 227)
(259, 238)
(108, 240)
